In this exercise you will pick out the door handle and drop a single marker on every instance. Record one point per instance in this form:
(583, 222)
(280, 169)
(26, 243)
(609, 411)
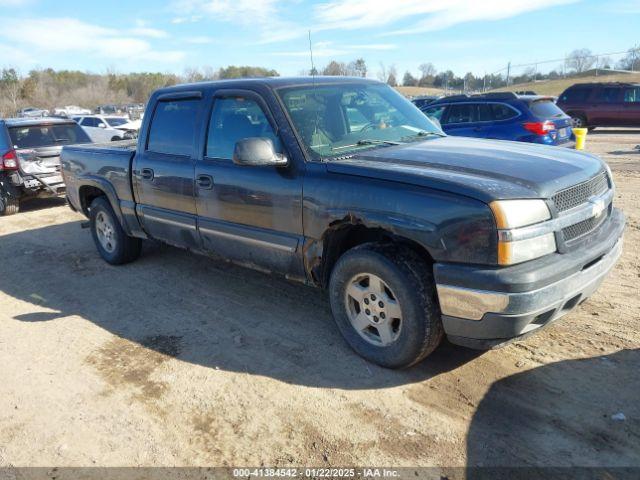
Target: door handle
(146, 174)
(205, 181)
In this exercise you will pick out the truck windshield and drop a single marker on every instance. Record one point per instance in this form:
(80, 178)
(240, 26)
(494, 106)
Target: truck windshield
(339, 119)
(34, 136)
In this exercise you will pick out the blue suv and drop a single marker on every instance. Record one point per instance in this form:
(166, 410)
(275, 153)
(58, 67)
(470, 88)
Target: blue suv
(503, 116)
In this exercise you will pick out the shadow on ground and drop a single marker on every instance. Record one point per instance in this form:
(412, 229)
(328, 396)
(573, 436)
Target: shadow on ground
(560, 415)
(34, 204)
(197, 309)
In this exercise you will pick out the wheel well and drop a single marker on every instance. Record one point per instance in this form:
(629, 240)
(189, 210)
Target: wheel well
(88, 194)
(340, 240)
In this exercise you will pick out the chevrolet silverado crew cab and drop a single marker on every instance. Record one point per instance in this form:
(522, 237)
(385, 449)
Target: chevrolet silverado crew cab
(345, 185)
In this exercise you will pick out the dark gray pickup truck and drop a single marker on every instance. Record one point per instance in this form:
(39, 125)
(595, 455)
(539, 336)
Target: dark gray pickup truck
(345, 185)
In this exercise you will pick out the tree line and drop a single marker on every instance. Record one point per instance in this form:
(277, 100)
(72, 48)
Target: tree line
(48, 88)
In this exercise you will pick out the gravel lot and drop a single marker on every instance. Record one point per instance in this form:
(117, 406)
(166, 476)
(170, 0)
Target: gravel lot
(179, 360)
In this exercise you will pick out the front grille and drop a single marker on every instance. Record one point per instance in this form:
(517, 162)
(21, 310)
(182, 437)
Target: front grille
(578, 194)
(579, 229)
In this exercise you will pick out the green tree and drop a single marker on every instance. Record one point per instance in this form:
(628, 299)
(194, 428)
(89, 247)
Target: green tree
(409, 80)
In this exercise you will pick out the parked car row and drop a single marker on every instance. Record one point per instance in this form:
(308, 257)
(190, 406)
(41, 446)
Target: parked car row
(503, 116)
(527, 117)
(102, 128)
(132, 111)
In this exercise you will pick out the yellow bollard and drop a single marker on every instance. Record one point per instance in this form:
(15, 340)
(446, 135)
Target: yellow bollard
(581, 137)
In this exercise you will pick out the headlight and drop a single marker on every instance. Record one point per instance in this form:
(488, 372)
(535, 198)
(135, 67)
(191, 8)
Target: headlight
(519, 213)
(511, 215)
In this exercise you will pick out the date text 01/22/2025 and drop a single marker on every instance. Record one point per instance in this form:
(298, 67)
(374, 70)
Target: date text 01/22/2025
(316, 472)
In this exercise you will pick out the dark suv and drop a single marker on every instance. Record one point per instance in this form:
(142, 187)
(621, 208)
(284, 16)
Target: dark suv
(602, 104)
(30, 158)
(503, 116)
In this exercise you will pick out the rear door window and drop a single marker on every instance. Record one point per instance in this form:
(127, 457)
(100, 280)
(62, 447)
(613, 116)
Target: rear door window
(460, 113)
(502, 112)
(234, 119)
(485, 113)
(545, 109)
(632, 95)
(173, 127)
(608, 95)
(47, 135)
(575, 95)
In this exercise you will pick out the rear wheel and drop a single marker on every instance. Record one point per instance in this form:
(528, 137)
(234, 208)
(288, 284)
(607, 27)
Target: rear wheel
(578, 121)
(383, 300)
(9, 202)
(113, 244)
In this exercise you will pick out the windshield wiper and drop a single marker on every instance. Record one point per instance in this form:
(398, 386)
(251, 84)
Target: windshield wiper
(367, 141)
(425, 133)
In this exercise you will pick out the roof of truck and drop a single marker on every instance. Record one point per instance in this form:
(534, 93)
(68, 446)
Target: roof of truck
(273, 82)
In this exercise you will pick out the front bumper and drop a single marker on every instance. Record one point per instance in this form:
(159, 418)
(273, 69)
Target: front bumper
(484, 307)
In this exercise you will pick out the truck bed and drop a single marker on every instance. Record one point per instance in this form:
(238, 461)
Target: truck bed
(89, 164)
(122, 145)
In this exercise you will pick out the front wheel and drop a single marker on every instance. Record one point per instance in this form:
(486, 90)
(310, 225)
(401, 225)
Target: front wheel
(384, 302)
(113, 244)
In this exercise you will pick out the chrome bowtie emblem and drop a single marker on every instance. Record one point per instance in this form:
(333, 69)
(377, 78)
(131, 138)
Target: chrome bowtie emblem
(597, 207)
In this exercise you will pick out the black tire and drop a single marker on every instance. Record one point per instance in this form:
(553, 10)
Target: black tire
(578, 121)
(410, 278)
(125, 249)
(9, 201)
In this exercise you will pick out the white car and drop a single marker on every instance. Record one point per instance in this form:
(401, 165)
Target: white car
(31, 112)
(101, 128)
(71, 110)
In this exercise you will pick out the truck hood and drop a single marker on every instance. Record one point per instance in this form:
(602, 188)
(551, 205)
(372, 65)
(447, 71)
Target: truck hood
(483, 169)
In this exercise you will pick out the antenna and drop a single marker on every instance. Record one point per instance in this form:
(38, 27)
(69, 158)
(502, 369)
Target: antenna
(314, 135)
(313, 67)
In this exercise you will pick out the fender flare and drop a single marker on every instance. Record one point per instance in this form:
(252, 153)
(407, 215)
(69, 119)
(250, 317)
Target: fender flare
(398, 226)
(109, 191)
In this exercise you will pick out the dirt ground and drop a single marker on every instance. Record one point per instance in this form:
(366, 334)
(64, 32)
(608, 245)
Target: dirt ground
(179, 360)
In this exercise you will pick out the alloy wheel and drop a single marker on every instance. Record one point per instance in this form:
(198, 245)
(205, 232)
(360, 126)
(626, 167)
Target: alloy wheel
(105, 232)
(373, 309)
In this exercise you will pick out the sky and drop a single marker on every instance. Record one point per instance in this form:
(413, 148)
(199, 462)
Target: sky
(479, 36)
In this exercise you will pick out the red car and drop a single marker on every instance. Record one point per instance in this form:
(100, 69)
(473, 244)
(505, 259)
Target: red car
(602, 104)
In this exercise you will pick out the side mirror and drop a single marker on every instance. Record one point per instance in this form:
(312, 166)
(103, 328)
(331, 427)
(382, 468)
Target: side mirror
(258, 152)
(102, 125)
